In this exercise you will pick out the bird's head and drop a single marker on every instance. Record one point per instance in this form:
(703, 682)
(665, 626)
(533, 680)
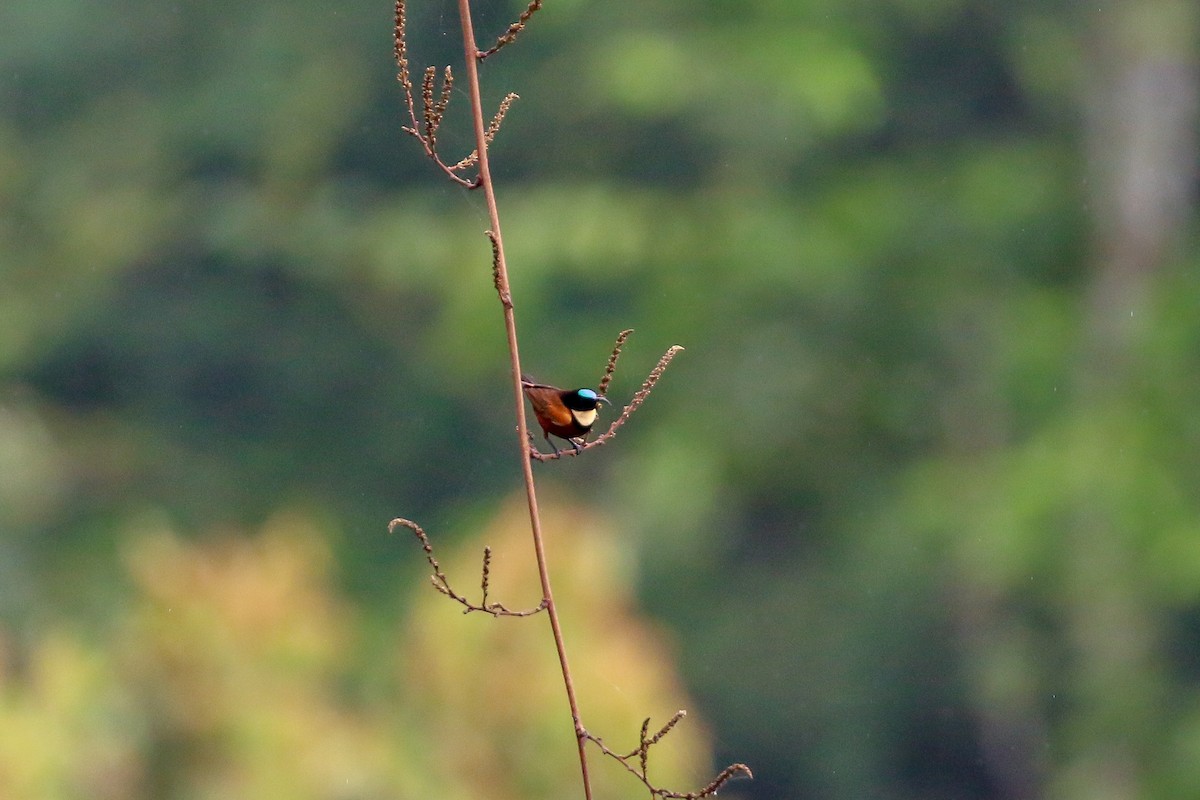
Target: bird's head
(583, 404)
(583, 400)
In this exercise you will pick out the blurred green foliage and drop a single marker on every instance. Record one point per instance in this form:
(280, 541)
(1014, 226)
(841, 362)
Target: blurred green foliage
(918, 500)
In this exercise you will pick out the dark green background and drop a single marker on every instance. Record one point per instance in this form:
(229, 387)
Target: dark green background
(920, 499)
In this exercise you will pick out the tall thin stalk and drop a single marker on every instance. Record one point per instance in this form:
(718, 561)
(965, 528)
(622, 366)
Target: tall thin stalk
(471, 56)
(425, 130)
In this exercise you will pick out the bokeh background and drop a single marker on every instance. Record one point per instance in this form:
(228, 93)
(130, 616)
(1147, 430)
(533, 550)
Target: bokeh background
(915, 515)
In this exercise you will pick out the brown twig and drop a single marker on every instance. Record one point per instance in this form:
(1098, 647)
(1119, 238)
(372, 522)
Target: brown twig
(433, 111)
(442, 583)
(502, 291)
(638, 399)
(400, 53)
(642, 753)
(723, 777)
(438, 108)
(492, 129)
(611, 367)
(431, 124)
(510, 35)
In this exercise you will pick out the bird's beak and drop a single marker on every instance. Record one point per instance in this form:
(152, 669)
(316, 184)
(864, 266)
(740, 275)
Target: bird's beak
(603, 399)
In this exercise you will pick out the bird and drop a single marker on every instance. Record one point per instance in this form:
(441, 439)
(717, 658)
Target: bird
(566, 413)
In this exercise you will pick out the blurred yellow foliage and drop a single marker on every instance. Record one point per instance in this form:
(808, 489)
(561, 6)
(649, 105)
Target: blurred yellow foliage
(236, 670)
(489, 692)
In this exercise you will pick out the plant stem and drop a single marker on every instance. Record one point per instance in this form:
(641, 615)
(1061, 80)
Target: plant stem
(471, 53)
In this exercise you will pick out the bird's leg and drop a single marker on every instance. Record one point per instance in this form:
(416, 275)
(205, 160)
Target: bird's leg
(575, 444)
(550, 442)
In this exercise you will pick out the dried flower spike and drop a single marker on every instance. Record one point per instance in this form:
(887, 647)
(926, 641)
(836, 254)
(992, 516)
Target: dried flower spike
(442, 583)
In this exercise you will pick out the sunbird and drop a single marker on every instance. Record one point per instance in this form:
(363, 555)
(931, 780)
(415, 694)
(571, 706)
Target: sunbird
(567, 413)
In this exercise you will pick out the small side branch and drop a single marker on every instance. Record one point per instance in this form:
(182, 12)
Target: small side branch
(497, 277)
(638, 399)
(611, 367)
(435, 100)
(442, 583)
(514, 30)
(637, 760)
(492, 129)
